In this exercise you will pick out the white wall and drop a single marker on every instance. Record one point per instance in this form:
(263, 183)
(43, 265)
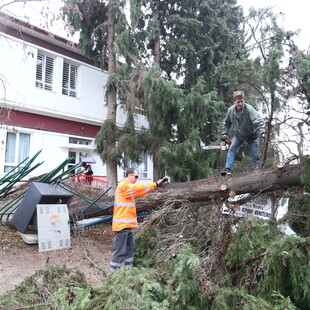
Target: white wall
(54, 146)
(121, 115)
(18, 74)
(18, 68)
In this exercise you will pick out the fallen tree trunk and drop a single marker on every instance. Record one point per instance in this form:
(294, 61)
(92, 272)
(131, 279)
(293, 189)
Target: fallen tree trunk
(215, 188)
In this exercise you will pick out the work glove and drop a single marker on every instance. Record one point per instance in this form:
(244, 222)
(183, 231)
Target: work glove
(225, 137)
(161, 181)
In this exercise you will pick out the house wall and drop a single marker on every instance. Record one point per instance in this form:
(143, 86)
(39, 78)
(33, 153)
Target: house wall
(50, 117)
(18, 65)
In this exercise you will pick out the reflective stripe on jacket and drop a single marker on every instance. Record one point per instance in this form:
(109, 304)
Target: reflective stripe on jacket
(125, 213)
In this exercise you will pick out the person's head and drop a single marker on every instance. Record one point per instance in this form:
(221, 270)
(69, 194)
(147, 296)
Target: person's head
(132, 175)
(238, 97)
(83, 164)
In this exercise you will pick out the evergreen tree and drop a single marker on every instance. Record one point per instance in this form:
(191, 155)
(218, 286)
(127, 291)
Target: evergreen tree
(187, 41)
(100, 23)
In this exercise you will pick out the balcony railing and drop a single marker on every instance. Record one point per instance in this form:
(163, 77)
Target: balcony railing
(97, 181)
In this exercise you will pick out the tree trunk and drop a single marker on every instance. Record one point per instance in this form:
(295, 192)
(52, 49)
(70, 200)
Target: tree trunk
(157, 171)
(269, 130)
(214, 188)
(111, 98)
(157, 35)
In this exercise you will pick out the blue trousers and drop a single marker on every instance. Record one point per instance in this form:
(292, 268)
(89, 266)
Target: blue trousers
(123, 249)
(235, 144)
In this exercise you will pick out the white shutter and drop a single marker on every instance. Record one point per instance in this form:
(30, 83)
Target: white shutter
(49, 70)
(45, 72)
(65, 79)
(39, 73)
(69, 80)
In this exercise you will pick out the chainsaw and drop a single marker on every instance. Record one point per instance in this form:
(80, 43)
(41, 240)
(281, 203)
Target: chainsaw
(224, 146)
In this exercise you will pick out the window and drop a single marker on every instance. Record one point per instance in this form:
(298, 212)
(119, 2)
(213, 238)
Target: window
(17, 150)
(76, 157)
(69, 80)
(82, 155)
(72, 162)
(45, 71)
(79, 141)
(141, 167)
(139, 108)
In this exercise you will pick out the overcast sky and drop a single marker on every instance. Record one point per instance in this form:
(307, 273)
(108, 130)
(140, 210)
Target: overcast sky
(296, 15)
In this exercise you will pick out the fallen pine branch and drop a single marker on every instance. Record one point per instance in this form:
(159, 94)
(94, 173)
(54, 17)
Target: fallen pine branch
(240, 265)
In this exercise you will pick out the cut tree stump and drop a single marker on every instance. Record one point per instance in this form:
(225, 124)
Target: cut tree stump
(214, 188)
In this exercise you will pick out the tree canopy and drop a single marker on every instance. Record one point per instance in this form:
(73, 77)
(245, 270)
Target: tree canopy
(180, 61)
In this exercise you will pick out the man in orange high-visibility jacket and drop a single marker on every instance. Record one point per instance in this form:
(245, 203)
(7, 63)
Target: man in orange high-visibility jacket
(125, 217)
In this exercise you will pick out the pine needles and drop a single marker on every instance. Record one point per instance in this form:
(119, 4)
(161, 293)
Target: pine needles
(195, 258)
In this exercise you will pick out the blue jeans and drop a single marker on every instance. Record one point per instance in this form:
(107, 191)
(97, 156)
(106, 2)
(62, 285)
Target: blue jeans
(235, 144)
(123, 249)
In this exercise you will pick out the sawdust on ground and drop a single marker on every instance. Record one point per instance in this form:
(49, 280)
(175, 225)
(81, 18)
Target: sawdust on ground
(90, 251)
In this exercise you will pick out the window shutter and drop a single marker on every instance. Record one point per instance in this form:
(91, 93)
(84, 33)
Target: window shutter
(49, 68)
(69, 80)
(39, 73)
(65, 79)
(45, 72)
(73, 76)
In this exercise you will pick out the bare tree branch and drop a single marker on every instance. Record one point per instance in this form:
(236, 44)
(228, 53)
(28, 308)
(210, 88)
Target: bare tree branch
(17, 1)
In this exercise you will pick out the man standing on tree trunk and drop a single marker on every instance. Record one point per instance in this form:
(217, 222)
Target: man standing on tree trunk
(125, 217)
(247, 125)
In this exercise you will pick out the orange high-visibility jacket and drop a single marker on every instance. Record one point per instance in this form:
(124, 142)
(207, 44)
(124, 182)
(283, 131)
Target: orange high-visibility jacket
(125, 213)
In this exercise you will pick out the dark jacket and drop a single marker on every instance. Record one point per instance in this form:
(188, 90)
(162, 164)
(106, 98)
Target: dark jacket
(249, 125)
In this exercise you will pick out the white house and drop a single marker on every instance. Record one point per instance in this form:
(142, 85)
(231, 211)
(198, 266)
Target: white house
(52, 99)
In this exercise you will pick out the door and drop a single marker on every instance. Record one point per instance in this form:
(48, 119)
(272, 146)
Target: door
(76, 157)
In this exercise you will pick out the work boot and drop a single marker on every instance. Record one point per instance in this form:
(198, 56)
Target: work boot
(228, 170)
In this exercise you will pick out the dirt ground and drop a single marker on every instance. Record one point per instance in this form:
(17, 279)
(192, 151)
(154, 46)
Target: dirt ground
(90, 251)
(90, 248)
